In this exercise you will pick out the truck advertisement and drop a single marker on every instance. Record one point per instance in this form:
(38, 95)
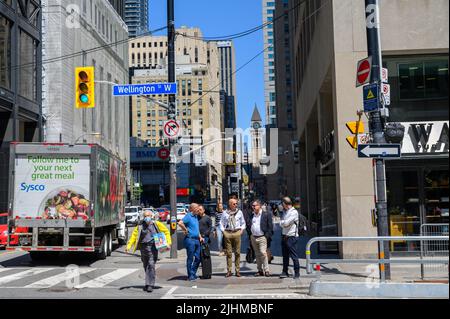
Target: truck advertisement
(110, 188)
(52, 187)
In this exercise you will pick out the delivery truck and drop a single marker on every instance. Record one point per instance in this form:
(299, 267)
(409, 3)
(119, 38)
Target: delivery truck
(71, 198)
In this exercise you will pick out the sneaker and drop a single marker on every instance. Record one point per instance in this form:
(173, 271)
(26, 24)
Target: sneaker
(297, 276)
(259, 274)
(267, 274)
(228, 274)
(238, 274)
(149, 288)
(284, 275)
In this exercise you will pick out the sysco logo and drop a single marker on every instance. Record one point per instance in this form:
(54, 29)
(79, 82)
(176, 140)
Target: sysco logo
(31, 188)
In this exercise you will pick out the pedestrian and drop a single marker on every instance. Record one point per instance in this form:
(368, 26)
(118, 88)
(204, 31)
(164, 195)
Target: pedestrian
(190, 226)
(233, 225)
(260, 225)
(217, 231)
(288, 222)
(205, 226)
(143, 238)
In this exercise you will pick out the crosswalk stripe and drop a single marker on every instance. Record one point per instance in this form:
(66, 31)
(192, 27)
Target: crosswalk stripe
(106, 279)
(23, 274)
(52, 281)
(4, 269)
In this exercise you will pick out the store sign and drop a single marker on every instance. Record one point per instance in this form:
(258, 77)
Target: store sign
(426, 138)
(149, 154)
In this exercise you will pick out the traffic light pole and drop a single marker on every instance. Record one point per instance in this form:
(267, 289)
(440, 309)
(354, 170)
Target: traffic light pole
(376, 123)
(172, 116)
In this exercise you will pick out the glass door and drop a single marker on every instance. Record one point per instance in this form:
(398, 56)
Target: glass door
(327, 211)
(436, 208)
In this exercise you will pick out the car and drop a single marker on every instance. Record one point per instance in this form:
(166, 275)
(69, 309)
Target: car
(181, 212)
(14, 239)
(163, 214)
(132, 215)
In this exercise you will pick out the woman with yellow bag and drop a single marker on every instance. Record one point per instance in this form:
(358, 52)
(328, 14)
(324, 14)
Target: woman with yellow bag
(150, 236)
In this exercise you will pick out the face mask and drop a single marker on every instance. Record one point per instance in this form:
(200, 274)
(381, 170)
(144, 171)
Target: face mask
(148, 220)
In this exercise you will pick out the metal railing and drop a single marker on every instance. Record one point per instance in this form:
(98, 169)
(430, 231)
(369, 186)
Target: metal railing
(433, 249)
(381, 261)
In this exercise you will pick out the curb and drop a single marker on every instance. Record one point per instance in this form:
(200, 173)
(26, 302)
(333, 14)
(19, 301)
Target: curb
(378, 290)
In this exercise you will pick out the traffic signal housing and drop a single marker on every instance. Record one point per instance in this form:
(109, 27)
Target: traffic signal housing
(84, 87)
(355, 128)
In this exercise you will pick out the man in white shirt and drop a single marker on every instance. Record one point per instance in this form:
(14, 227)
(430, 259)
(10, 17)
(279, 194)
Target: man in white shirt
(233, 225)
(288, 223)
(261, 229)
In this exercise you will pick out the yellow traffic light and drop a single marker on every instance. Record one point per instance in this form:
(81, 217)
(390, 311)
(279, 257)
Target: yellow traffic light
(355, 128)
(84, 87)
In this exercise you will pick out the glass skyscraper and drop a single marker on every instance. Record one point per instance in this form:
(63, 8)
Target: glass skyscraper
(269, 64)
(136, 17)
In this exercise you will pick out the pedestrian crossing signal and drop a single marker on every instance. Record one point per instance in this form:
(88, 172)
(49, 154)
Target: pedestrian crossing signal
(84, 87)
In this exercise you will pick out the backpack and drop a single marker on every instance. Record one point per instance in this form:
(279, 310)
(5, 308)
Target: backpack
(301, 225)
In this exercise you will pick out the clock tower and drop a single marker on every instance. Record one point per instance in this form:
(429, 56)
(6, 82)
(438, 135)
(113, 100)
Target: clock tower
(257, 137)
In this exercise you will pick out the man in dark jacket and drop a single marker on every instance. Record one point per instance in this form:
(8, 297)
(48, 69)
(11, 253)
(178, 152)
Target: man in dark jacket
(205, 226)
(260, 225)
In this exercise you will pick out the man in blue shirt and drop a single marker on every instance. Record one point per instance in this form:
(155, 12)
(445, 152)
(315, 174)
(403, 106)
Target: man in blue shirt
(190, 226)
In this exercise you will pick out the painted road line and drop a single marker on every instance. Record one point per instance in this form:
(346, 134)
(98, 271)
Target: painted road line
(52, 281)
(104, 280)
(235, 296)
(168, 295)
(23, 274)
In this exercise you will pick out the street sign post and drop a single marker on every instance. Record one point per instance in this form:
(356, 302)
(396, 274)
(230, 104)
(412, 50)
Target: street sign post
(364, 71)
(371, 97)
(190, 140)
(145, 89)
(379, 151)
(171, 129)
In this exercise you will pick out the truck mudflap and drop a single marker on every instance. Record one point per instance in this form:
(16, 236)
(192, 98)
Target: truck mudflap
(28, 249)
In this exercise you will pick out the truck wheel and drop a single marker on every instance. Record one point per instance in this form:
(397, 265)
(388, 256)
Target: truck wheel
(109, 250)
(103, 250)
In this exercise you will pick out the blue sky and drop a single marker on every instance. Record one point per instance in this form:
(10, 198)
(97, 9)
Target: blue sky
(218, 18)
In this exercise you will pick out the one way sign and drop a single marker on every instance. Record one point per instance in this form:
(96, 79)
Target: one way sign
(379, 151)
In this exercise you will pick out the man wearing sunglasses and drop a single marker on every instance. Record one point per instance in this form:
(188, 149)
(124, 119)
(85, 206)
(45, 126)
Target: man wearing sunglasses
(233, 225)
(260, 226)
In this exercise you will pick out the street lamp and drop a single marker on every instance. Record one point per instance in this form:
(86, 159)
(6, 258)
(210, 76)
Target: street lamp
(96, 134)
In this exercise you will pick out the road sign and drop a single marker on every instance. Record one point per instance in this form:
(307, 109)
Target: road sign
(164, 153)
(384, 75)
(200, 158)
(355, 128)
(386, 88)
(190, 140)
(379, 151)
(363, 139)
(371, 97)
(145, 89)
(171, 129)
(364, 71)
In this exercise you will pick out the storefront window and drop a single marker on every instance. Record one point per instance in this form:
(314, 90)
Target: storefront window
(5, 53)
(436, 196)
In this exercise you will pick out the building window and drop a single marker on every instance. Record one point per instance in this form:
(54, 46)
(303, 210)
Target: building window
(5, 52)
(28, 50)
(423, 80)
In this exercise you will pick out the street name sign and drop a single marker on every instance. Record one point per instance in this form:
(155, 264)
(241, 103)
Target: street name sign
(190, 140)
(145, 89)
(364, 71)
(171, 129)
(379, 151)
(371, 97)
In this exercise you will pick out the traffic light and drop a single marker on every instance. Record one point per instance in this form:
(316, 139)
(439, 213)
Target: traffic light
(84, 87)
(355, 128)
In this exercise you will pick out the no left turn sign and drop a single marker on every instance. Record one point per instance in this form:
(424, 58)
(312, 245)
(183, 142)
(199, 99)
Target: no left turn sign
(171, 129)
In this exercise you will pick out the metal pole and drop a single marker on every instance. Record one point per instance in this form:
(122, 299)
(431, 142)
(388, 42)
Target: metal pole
(377, 126)
(172, 116)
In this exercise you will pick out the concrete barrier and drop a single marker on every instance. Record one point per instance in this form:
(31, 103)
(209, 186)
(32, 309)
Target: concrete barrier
(378, 290)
